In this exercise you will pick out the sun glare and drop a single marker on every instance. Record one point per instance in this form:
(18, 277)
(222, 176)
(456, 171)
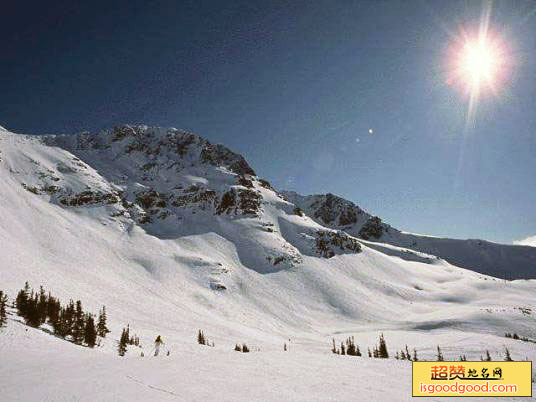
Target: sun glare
(479, 62)
(478, 59)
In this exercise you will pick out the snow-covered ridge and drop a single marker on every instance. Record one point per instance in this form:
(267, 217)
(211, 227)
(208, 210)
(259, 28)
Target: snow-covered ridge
(172, 242)
(500, 260)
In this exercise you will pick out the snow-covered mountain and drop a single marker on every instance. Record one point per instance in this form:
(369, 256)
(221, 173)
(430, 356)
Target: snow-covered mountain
(175, 234)
(499, 260)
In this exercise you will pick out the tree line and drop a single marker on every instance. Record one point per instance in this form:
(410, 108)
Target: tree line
(68, 321)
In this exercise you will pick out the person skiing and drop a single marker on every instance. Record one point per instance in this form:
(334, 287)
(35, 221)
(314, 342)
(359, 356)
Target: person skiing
(157, 344)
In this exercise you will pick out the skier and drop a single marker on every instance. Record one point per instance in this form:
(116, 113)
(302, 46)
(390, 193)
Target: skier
(157, 344)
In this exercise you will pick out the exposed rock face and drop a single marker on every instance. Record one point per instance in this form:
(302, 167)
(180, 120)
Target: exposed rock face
(162, 172)
(89, 197)
(330, 210)
(218, 155)
(329, 243)
(372, 229)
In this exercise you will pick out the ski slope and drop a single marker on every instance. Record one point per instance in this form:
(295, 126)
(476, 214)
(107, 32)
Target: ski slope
(243, 277)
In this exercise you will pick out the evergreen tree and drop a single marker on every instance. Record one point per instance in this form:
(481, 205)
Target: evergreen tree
(488, 357)
(245, 348)
(78, 324)
(3, 313)
(53, 309)
(69, 318)
(127, 334)
(90, 333)
(238, 348)
(439, 354)
(507, 357)
(42, 305)
(201, 338)
(343, 350)
(375, 352)
(402, 355)
(382, 350)
(334, 348)
(32, 315)
(415, 358)
(285, 346)
(102, 329)
(122, 348)
(22, 300)
(396, 356)
(369, 353)
(62, 326)
(408, 356)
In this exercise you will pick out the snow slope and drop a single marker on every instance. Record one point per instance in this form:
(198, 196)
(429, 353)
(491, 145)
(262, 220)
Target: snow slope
(500, 260)
(90, 221)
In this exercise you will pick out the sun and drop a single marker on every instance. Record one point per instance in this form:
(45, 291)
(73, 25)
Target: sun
(479, 63)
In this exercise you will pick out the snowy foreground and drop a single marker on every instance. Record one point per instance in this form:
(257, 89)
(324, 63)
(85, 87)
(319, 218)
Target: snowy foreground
(256, 272)
(38, 367)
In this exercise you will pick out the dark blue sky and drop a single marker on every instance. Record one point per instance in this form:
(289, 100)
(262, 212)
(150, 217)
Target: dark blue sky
(295, 87)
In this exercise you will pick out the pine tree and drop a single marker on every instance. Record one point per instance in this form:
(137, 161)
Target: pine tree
(32, 316)
(79, 323)
(507, 357)
(102, 329)
(42, 305)
(396, 356)
(402, 355)
(439, 354)
(382, 350)
(334, 348)
(488, 357)
(61, 325)
(408, 356)
(415, 358)
(122, 348)
(245, 348)
(3, 314)
(343, 350)
(22, 300)
(201, 338)
(53, 309)
(350, 347)
(369, 353)
(69, 318)
(285, 347)
(238, 348)
(90, 333)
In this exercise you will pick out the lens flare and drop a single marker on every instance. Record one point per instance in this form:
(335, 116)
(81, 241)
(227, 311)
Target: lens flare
(478, 63)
